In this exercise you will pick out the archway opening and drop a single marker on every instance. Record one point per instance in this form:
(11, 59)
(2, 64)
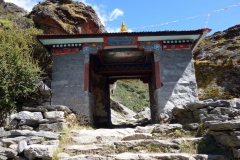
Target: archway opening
(130, 102)
(112, 66)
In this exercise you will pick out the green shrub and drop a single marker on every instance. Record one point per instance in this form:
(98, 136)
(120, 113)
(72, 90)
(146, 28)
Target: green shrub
(5, 23)
(19, 71)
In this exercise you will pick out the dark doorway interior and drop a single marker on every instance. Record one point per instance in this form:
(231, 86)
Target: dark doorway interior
(108, 66)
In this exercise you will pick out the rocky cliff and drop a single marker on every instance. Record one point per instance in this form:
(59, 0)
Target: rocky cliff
(13, 16)
(11, 8)
(66, 17)
(217, 65)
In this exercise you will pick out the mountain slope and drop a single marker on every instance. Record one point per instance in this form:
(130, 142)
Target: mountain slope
(217, 65)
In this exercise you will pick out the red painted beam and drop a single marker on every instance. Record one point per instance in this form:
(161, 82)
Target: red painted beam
(157, 75)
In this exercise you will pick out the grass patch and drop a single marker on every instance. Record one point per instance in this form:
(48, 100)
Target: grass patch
(177, 133)
(158, 148)
(65, 139)
(5, 23)
(188, 147)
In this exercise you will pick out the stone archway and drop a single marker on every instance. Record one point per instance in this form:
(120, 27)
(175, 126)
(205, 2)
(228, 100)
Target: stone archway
(98, 77)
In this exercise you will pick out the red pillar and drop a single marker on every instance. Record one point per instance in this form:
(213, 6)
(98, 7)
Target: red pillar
(86, 73)
(157, 75)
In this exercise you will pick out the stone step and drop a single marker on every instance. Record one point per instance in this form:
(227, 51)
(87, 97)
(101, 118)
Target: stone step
(165, 156)
(145, 156)
(173, 143)
(83, 149)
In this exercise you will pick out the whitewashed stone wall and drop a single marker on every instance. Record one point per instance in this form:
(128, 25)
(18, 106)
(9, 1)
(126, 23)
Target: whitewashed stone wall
(178, 79)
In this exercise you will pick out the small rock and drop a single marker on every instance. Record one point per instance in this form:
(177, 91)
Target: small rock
(4, 133)
(2, 157)
(9, 153)
(54, 114)
(25, 127)
(82, 148)
(218, 103)
(71, 118)
(13, 124)
(45, 134)
(84, 139)
(28, 115)
(51, 120)
(52, 127)
(13, 147)
(63, 155)
(55, 108)
(237, 102)
(235, 133)
(214, 117)
(226, 139)
(34, 140)
(34, 109)
(236, 152)
(228, 125)
(146, 129)
(137, 136)
(44, 89)
(193, 126)
(52, 142)
(21, 146)
(28, 122)
(8, 141)
(166, 128)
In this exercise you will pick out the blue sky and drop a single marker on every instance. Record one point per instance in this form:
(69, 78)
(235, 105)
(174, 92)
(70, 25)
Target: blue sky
(138, 13)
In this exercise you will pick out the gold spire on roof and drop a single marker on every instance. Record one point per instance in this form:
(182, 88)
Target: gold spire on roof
(123, 28)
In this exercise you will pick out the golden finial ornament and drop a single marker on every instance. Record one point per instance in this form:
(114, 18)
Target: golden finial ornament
(123, 28)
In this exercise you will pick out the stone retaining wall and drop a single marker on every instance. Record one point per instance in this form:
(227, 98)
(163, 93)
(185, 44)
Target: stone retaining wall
(221, 118)
(32, 133)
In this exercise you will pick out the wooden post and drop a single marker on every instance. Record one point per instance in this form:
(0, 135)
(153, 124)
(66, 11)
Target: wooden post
(86, 73)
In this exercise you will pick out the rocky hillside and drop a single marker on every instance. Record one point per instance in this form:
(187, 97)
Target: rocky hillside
(66, 17)
(133, 94)
(13, 16)
(217, 65)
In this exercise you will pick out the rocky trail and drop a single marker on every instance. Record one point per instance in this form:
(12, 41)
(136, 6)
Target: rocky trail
(149, 142)
(209, 130)
(165, 142)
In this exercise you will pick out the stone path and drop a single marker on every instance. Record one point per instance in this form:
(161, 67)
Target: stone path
(140, 143)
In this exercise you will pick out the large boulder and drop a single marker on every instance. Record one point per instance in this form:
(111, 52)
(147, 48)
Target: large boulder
(26, 115)
(39, 151)
(66, 17)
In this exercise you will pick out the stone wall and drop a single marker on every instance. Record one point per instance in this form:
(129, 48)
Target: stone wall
(178, 79)
(221, 118)
(68, 85)
(32, 133)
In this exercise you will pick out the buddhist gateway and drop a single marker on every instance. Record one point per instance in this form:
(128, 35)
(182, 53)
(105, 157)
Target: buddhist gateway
(85, 64)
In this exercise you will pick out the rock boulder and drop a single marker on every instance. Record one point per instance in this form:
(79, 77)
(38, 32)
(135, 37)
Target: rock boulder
(66, 17)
